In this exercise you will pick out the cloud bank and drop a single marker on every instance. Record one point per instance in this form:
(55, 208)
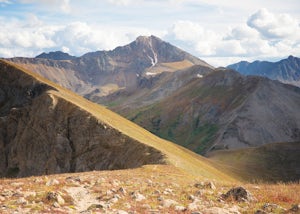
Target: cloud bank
(261, 35)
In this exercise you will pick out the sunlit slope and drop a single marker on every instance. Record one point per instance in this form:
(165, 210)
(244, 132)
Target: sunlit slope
(272, 162)
(175, 155)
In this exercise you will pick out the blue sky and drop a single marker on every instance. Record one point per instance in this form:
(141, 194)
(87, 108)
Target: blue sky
(218, 31)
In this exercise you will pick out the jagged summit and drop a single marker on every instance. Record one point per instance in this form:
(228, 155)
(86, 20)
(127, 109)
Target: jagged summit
(144, 39)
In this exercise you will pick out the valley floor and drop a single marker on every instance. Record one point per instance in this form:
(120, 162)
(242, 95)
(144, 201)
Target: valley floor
(150, 189)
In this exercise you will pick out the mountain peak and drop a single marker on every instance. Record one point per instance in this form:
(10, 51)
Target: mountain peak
(291, 57)
(144, 39)
(55, 55)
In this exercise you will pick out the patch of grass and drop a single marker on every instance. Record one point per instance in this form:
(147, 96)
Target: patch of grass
(201, 137)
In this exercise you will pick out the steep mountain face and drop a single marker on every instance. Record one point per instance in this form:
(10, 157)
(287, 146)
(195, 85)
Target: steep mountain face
(47, 129)
(286, 70)
(152, 89)
(103, 72)
(214, 109)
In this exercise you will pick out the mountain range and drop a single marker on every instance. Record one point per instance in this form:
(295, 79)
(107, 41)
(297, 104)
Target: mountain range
(178, 96)
(285, 70)
(181, 98)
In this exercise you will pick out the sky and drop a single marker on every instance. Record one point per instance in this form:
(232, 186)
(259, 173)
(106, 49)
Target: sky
(220, 32)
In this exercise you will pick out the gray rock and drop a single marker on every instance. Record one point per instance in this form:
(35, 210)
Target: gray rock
(96, 206)
(168, 203)
(193, 206)
(270, 207)
(22, 201)
(56, 205)
(52, 182)
(205, 185)
(218, 210)
(179, 208)
(260, 212)
(122, 191)
(55, 197)
(295, 208)
(137, 196)
(191, 197)
(238, 194)
(146, 206)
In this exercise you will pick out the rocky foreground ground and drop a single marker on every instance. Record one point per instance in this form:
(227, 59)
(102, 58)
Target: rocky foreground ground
(150, 189)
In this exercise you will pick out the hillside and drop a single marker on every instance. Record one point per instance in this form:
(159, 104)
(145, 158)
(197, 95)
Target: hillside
(39, 117)
(285, 70)
(271, 162)
(205, 109)
(191, 103)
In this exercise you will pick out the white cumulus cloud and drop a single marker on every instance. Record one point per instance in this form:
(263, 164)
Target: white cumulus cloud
(274, 25)
(264, 35)
(31, 37)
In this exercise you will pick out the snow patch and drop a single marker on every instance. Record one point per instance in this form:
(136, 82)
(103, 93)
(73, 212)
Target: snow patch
(154, 59)
(199, 75)
(150, 73)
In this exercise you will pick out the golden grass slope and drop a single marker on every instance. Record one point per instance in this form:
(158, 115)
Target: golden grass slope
(175, 155)
(268, 163)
